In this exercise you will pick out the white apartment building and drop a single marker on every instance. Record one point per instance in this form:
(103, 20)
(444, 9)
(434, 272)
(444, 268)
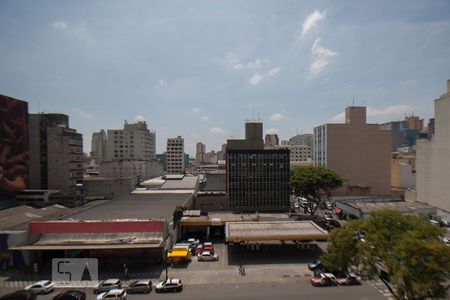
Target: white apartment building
(432, 159)
(300, 155)
(133, 142)
(135, 169)
(175, 155)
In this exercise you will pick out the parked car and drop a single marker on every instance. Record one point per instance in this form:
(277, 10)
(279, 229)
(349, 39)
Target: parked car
(208, 246)
(444, 223)
(208, 256)
(140, 286)
(169, 285)
(41, 287)
(71, 295)
(314, 265)
(20, 295)
(348, 279)
(446, 240)
(328, 216)
(193, 242)
(198, 250)
(108, 285)
(296, 205)
(114, 294)
(328, 205)
(324, 279)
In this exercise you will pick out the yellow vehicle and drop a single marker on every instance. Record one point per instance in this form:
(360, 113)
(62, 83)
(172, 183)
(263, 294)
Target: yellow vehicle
(179, 254)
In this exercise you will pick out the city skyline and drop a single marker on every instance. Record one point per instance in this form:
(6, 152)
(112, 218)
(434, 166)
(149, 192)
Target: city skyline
(199, 70)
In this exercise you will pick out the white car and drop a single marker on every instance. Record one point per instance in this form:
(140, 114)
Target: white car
(207, 256)
(296, 205)
(169, 285)
(41, 287)
(114, 294)
(193, 242)
(108, 285)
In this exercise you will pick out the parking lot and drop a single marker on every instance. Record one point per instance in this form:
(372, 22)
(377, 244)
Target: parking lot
(272, 263)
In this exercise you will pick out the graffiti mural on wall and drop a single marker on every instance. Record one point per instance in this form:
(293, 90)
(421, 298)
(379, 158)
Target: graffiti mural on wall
(14, 150)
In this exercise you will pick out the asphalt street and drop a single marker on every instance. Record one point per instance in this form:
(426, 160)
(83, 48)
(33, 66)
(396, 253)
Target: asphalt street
(295, 290)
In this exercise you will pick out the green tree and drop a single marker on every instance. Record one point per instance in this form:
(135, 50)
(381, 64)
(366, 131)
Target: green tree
(410, 248)
(178, 214)
(343, 248)
(314, 183)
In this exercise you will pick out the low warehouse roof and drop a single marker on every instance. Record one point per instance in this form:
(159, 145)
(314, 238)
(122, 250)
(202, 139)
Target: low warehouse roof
(274, 231)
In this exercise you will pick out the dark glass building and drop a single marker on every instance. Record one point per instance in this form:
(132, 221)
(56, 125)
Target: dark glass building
(258, 180)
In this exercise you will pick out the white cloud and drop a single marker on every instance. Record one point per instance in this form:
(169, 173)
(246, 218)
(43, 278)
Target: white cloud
(205, 118)
(139, 118)
(312, 20)
(82, 113)
(196, 109)
(255, 79)
(317, 66)
(274, 71)
(277, 117)
(161, 82)
(60, 25)
(339, 118)
(321, 51)
(238, 66)
(389, 110)
(272, 131)
(217, 130)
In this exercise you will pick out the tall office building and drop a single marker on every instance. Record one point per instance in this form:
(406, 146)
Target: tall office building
(271, 140)
(301, 139)
(432, 160)
(56, 153)
(175, 155)
(200, 154)
(358, 151)
(98, 146)
(404, 133)
(257, 179)
(133, 142)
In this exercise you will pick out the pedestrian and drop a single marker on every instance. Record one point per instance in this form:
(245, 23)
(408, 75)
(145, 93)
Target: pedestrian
(125, 270)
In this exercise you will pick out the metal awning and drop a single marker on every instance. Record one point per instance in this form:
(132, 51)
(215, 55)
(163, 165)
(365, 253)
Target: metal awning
(237, 232)
(86, 241)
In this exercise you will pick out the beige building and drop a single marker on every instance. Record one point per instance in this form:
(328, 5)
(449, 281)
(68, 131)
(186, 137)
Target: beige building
(200, 153)
(98, 146)
(56, 154)
(403, 170)
(433, 163)
(358, 151)
(271, 140)
(175, 155)
(300, 155)
(133, 142)
(136, 169)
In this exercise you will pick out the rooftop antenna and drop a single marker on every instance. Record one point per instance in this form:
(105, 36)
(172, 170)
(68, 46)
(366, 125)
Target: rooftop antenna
(258, 118)
(253, 107)
(353, 96)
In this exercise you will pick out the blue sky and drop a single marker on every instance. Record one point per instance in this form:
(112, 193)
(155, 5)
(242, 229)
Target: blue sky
(197, 68)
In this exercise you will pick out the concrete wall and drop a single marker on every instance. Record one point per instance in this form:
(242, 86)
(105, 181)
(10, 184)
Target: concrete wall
(433, 163)
(212, 202)
(361, 153)
(107, 187)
